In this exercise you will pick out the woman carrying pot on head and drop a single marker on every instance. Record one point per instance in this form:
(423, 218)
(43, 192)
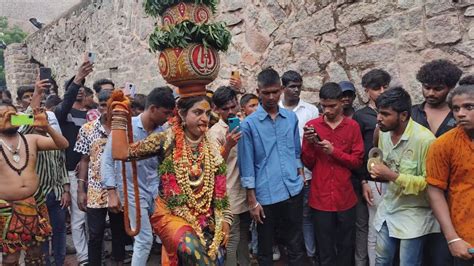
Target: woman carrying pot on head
(192, 215)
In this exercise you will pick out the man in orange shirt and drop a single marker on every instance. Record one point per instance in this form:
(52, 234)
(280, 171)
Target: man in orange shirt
(450, 170)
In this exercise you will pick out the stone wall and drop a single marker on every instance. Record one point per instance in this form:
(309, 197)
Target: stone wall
(19, 70)
(324, 40)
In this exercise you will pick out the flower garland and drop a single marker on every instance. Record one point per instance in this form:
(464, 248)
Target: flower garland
(193, 202)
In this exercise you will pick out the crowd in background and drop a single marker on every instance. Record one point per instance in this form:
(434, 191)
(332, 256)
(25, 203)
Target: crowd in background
(303, 181)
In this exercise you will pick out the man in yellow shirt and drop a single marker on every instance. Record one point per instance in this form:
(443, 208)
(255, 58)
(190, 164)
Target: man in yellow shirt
(404, 216)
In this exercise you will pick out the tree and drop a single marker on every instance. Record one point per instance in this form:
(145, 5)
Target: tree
(8, 35)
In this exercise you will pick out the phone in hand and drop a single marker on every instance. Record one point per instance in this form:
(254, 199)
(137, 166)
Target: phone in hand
(234, 122)
(130, 89)
(45, 73)
(22, 119)
(91, 56)
(311, 129)
(318, 138)
(471, 251)
(235, 74)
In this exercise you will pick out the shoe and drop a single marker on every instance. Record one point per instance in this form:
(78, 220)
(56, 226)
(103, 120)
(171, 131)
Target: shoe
(128, 257)
(84, 263)
(107, 235)
(156, 248)
(276, 253)
(313, 261)
(70, 250)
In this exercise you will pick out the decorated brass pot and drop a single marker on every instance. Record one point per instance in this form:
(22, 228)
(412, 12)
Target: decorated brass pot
(198, 14)
(191, 68)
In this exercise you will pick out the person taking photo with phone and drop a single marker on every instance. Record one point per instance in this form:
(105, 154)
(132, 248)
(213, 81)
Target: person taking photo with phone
(23, 223)
(71, 114)
(54, 184)
(332, 148)
(227, 135)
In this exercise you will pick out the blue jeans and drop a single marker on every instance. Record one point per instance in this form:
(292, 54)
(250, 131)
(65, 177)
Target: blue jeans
(411, 250)
(57, 217)
(308, 230)
(144, 240)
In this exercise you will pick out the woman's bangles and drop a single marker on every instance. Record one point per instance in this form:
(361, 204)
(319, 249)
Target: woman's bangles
(119, 122)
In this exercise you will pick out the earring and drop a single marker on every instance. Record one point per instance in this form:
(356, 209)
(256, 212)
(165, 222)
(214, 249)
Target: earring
(183, 124)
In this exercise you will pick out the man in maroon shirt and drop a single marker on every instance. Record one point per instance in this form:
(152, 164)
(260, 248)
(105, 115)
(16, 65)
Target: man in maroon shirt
(332, 147)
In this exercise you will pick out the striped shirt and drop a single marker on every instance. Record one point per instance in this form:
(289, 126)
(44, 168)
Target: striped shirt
(51, 169)
(50, 165)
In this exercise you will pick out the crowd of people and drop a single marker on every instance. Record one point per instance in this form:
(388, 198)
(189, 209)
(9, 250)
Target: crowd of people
(327, 183)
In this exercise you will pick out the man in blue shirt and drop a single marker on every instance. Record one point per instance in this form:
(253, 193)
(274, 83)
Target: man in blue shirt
(159, 107)
(271, 170)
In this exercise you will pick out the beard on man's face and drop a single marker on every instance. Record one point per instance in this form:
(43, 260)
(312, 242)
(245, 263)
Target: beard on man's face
(9, 131)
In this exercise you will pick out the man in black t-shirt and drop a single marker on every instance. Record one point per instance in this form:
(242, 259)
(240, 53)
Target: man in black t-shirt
(437, 79)
(374, 83)
(71, 115)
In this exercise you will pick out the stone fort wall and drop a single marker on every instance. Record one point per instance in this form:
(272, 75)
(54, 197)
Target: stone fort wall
(324, 40)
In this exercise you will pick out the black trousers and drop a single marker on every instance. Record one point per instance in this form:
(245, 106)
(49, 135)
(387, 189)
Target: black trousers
(335, 236)
(290, 214)
(96, 223)
(436, 251)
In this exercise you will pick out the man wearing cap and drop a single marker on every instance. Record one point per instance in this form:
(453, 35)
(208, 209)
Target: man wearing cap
(348, 97)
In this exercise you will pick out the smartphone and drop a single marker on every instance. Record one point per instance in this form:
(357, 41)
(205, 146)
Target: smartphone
(130, 89)
(233, 123)
(45, 73)
(235, 74)
(471, 251)
(91, 57)
(318, 137)
(312, 130)
(22, 119)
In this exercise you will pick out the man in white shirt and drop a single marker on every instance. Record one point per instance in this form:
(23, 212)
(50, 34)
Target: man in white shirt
(292, 83)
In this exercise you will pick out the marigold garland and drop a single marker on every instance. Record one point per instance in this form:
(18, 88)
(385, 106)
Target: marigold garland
(194, 203)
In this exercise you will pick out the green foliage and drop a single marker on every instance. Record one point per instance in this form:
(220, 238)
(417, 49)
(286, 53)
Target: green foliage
(213, 35)
(158, 7)
(8, 35)
(222, 169)
(221, 204)
(166, 167)
(176, 201)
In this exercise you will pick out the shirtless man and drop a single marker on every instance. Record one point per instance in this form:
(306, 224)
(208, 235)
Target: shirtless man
(23, 224)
